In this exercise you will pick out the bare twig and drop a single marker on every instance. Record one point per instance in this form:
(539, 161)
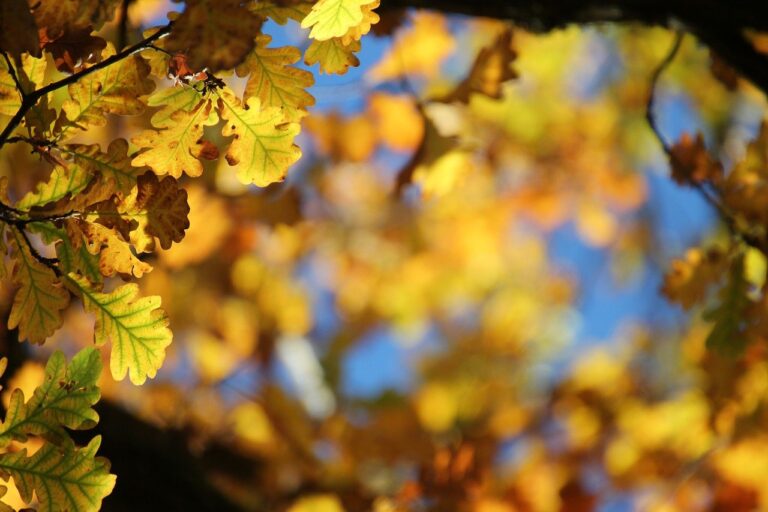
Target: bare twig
(707, 192)
(649, 108)
(122, 29)
(31, 99)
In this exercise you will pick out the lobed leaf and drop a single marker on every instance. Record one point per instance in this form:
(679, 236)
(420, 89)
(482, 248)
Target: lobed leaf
(262, 147)
(137, 328)
(115, 89)
(334, 18)
(38, 303)
(64, 399)
(159, 209)
(177, 149)
(333, 55)
(214, 35)
(274, 81)
(64, 478)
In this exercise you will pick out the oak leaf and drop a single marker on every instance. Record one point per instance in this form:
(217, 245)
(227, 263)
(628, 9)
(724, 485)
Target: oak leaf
(64, 399)
(273, 79)
(113, 166)
(262, 147)
(214, 35)
(116, 89)
(62, 477)
(691, 162)
(115, 255)
(333, 55)
(40, 299)
(160, 210)
(492, 67)
(177, 148)
(73, 48)
(136, 326)
(334, 18)
(18, 31)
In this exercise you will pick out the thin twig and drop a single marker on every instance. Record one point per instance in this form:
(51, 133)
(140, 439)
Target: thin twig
(122, 29)
(31, 99)
(707, 193)
(649, 108)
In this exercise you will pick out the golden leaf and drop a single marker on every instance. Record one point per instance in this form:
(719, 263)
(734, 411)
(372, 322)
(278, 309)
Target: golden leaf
(335, 18)
(274, 81)
(262, 147)
(333, 55)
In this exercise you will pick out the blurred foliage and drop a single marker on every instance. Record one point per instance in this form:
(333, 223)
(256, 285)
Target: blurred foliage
(285, 239)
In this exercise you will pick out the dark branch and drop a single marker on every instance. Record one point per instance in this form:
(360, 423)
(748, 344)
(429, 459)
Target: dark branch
(719, 25)
(31, 99)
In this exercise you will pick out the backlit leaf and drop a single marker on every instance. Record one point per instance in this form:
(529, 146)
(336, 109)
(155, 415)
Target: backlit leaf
(115, 255)
(160, 210)
(64, 399)
(62, 478)
(334, 18)
(214, 35)
(333, 55)
(274, 81)
(115, 89)
(136, 326)
(262, 147)
(178, 147)
(114, 165)
(38, 303)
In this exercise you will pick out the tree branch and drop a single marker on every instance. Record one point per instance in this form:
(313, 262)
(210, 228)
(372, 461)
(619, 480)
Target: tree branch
(719, 25)
(32, 98)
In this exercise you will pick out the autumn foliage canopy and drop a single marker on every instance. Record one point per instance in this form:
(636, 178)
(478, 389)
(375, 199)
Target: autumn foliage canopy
(356, 257)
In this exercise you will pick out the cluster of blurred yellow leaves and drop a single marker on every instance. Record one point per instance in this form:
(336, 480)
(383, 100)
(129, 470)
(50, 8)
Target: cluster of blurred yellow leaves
(495, 175)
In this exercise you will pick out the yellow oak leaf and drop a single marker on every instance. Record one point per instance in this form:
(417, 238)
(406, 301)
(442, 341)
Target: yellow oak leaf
(262, 147)
(38, 303)
(274, 81)
(115, 89)
(335, 18)
(137, 327)
(333, 55)
(178, 147)
(115, 254)
(370, 18)
(64, 181)
(160, 210)
(170, 99)
(214, 35)
(398, 121)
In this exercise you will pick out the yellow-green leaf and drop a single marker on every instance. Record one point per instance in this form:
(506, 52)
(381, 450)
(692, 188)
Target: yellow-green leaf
(115, 89)
(115, 255)
(37, 307)
(334, 18)
(114, 165)
(177, 148)
(274, 81)
(63, 181)
(333, 55)
(262, 147)
(137, 327)
(64, 478)
(64, 399)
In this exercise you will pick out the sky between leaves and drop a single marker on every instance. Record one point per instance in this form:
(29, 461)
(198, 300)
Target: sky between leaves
(384, 260)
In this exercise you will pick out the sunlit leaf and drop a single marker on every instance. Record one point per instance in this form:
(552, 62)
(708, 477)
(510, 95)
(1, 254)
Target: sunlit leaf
(136, 326)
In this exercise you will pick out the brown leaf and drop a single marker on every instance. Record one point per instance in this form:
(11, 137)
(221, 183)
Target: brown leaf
(692, 163)
(73, 48)
(214, 35)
